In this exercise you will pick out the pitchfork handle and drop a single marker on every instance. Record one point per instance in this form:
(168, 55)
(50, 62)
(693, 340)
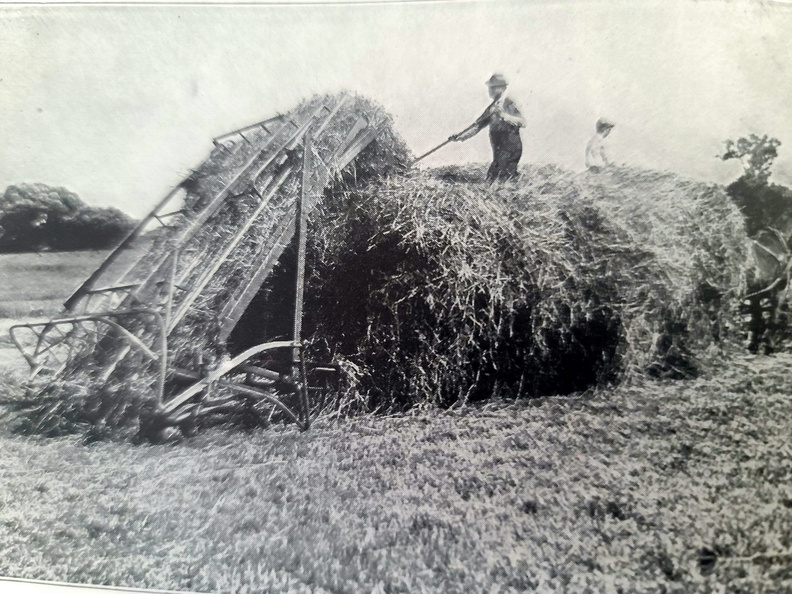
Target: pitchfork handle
(437, 148)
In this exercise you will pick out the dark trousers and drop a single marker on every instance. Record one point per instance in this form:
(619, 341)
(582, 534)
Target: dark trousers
(505, 157)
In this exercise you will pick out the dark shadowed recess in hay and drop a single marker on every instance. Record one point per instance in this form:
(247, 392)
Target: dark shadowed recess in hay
(270, 315)
(433, 286)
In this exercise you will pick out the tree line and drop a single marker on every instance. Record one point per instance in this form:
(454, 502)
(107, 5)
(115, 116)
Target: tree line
(37, 217)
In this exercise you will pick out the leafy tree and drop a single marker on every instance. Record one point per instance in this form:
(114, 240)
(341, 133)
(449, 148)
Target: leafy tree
(36, 217)
(756, 155)
(763, 204)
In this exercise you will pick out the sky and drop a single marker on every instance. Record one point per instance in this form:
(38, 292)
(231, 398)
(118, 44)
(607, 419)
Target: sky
(118, 103)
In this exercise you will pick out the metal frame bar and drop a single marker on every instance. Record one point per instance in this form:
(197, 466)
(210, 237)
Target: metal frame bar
(111, 289)
(71, 302)
(301, 223)
(105, 318)
(262, 124)
(301, 417)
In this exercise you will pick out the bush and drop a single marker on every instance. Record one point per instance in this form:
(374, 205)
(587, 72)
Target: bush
(763, 205)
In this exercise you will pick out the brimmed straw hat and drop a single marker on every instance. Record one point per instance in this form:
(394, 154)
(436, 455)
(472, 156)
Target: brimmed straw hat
(497, 80)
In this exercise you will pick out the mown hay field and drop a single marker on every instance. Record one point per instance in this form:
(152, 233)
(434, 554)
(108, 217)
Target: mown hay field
(667, 486)
(36, 284)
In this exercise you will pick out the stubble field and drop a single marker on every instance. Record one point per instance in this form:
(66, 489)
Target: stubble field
(655, 487)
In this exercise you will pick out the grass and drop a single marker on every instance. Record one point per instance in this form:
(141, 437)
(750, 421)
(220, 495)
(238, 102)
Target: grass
(633, 490)
(654, 486)
(36, 284)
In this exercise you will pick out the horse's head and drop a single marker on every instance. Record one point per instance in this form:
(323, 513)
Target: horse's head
(770, 257)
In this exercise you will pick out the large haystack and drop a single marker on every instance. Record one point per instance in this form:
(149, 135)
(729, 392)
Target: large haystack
(424, 286)
(435, 286)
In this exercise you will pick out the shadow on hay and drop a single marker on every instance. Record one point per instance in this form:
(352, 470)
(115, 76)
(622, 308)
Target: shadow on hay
(412, 353)
(435, 287)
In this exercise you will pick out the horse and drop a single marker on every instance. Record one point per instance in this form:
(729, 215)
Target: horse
(768, 282)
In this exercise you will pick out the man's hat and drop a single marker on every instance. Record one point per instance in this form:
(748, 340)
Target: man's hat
(497, 80)
(605, 123)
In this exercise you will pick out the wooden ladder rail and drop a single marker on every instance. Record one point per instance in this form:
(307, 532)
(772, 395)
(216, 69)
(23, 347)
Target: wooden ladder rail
(207, 275)
(89, 284)
(268, 257)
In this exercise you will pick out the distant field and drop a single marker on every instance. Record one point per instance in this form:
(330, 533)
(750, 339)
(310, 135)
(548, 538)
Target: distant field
(36, 284)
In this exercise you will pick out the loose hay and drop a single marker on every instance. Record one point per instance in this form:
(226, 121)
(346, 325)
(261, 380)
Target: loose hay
(437, 287)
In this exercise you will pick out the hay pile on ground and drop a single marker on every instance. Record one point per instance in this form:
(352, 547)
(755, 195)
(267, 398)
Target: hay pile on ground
(433, 287)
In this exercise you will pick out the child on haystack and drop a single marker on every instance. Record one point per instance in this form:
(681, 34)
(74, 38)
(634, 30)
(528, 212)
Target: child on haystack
(596, 157)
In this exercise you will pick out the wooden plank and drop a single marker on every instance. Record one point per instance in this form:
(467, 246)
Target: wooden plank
(360, 124)
(264, 264)
(223, 369)
(301, 222)
(344, 98)
(112, 289)
(266, 259)
(263, 372)
(354, 148)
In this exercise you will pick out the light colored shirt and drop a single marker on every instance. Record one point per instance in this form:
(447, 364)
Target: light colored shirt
(596, 155)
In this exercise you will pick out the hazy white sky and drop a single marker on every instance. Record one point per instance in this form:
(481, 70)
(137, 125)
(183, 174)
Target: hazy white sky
(117, 103)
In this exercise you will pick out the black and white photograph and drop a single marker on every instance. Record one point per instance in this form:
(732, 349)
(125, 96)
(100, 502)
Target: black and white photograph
(379, 297)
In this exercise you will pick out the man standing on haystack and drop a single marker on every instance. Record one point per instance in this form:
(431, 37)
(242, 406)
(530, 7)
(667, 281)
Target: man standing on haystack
(596, 158)
(504, 121)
